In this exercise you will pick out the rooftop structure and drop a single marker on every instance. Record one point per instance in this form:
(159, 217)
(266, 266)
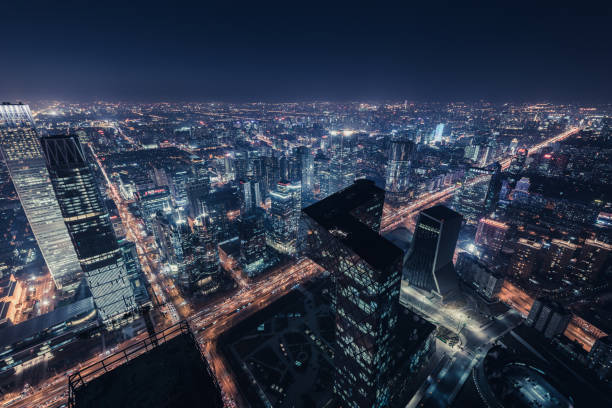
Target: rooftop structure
(166, 369)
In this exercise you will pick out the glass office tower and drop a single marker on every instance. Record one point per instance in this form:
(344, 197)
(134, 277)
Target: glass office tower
(429, 263)
(340, 233)
(399, 166)
(21, 150)
(89, 227)
(284, 217)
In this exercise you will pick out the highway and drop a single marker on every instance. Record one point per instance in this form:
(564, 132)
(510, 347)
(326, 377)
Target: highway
(405, 215)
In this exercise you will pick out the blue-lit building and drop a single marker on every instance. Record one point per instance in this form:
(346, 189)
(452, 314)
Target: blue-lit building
(90, 228)
(284, 216)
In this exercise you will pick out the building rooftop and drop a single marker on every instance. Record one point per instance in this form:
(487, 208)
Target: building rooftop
(441, 212)
(336, 215)
(171, 374)
(39, 324)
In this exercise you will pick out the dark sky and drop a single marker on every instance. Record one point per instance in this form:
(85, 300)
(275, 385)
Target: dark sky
(304, 50)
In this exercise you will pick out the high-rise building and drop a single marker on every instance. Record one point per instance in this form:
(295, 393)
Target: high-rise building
(134, 272)
(201, 271)
(470, 200)
(220, 207)
(153, 201)
(341, 234)
(438, 133)
(397, 185)
(284, 217)
(24, 159)
(343, 160)
(321, 175)
(429, 262)
(525, 259)
(89, 227)
(197, 191)
(491, 234)
(250, 195)
(494, 189)
(253, 249)
(305, 162)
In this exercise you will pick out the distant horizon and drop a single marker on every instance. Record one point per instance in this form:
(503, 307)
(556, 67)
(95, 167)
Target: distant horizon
(186, 51)
(311, 101)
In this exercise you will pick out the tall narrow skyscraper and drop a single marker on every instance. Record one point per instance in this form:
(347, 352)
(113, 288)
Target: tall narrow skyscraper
(397, 184)
(21, 150)
(340, 233)
(343, 160)
(89, 227)
(472, 198)
(429, 263)
(283, 220)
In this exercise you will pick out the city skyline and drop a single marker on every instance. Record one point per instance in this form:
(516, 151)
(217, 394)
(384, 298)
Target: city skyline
(299, 205)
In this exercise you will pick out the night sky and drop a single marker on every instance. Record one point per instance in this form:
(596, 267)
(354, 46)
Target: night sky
(303, 50)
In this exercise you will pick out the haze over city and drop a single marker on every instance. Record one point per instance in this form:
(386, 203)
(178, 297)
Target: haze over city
(305, 205)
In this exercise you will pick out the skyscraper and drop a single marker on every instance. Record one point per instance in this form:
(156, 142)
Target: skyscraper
(321, 175)
(397, 185)
(89, 227)
(343, 160)
(197, 191)
(341, 234)
(153, 201)
(306, 173)
(284, 217)
(429, 263)
(494, 189)
(134, 271)
(24, 159)
(252, 235)
(471, 199)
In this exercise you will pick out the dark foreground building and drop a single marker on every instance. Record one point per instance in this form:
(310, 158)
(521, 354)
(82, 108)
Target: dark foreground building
(429, 264)
(340, 233)
(165, 370)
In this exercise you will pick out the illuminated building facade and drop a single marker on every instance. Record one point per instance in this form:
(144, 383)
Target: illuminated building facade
(197, 191)
(24, 159)
(253, 249)
(592, 259)
(525, 258)
(134, 271)
(321, 175)
(491, 234)
(284, 217)
(89, 227)
(429, 263)
(153, 201)
(340, 233)
(397, 184)
(305, 161)
(471, 199)
(560, 253)
(342, 160)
